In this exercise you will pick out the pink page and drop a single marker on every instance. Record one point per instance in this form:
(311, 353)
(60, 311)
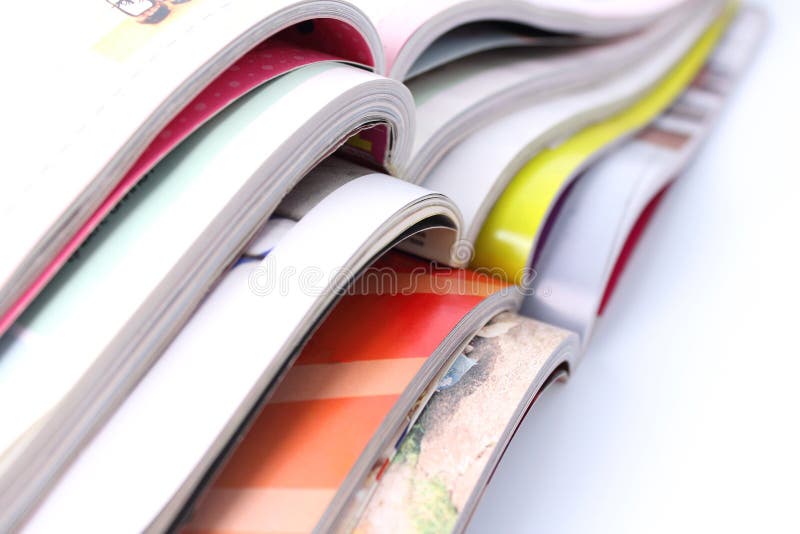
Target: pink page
(303, 44)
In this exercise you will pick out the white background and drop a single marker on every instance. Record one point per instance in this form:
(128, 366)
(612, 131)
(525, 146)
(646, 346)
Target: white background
(685, 413)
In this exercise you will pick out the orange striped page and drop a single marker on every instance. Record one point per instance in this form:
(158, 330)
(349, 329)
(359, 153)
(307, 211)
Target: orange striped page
(305, 441)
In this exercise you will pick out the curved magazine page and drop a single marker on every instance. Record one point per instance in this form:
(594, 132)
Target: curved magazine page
(407, 30)
(575, 261)
(278, 55)
(589, 225)
(123, 71)
(489, 158)
(113, 309)
(508, 236)
(481, 36)
(434, 482)
(441, 247)
(246, 331)
(455, 100)
(333, 419)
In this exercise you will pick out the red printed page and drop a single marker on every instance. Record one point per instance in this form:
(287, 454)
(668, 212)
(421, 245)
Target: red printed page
(307, 438)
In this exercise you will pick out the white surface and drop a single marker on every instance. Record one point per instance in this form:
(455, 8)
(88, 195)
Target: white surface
(684, 413)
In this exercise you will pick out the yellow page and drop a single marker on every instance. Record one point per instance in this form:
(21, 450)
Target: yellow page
(509, 233)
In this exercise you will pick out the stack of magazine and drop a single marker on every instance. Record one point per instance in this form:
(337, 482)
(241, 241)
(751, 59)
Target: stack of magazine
(305, 265)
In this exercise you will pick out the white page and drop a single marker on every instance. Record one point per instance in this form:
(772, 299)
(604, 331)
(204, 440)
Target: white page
(576, 261)
(197, 392)
(479, 37)
(407, 29)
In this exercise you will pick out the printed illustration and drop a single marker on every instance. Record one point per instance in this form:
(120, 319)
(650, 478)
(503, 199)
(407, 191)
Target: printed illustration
(442, 461)
(147, 11)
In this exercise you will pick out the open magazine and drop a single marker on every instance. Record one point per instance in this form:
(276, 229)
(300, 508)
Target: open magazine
(289, 290)
(359, 393)
(489, 158)
(506, 240)
(435, 480)
(208, 272)
(295, 471)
